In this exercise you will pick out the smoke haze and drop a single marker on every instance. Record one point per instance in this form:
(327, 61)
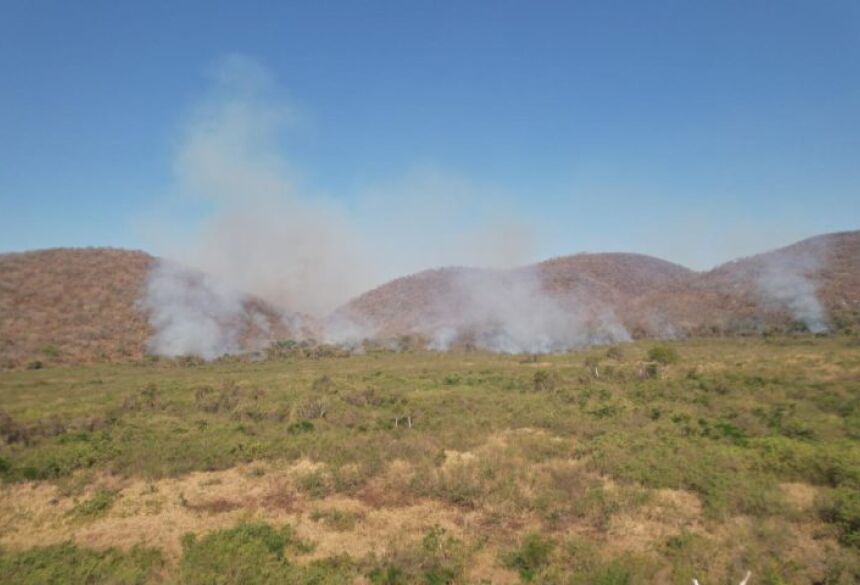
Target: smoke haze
(267, 234)
(787, 281)
(194, 314)
(302, 252)
(510, 312)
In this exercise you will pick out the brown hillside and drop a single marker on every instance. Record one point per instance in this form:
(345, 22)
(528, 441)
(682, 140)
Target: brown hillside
(74, 305)
(651, 297)
(611, 280)
(71, 305)
(729, 298)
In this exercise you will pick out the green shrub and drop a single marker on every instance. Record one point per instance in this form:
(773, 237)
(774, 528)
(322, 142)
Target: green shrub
(544, 381)
(252, 554)
(437, 559)
(98, 505)
(663, 354)
(841, 507)
(339, 520)
(532, 555)
(615, 352)
(51, 351)
(64, 564)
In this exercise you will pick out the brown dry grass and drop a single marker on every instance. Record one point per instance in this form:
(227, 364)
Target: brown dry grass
(79, 302)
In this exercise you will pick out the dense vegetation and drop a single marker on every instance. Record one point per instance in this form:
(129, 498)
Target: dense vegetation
(639, 463)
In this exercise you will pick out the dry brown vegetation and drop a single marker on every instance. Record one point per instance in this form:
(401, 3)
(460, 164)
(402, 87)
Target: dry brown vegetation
(652, 297)
(71, 305)
(66, 305)
(737, 454)
(80, 305)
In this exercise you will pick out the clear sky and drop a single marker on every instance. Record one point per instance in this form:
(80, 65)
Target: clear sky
(696, 130)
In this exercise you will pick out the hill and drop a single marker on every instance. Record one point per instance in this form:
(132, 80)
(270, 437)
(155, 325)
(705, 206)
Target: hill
(813, 284)
(74, 305)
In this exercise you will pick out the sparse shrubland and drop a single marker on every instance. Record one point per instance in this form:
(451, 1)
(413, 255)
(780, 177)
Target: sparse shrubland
(423, 467)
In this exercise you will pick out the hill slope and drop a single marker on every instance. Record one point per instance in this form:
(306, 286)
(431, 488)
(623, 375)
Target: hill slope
(73, 305)
(816, 282)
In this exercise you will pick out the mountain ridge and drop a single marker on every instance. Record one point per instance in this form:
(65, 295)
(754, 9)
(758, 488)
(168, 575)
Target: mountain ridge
(68, 305)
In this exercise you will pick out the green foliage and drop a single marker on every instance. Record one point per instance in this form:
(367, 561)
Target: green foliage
(438, 559)
(63, 564)
(498, 436)
(543, 381)
(51, 351)
(97, 505)
(531, 556)
(339, 520)
(663, 354)
(253, 554)
(841, 508)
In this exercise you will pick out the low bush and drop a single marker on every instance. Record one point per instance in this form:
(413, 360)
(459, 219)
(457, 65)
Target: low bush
(663, 354)
(64, 564)
(532, 555)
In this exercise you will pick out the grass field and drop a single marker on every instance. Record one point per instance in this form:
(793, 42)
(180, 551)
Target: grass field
(632, 464)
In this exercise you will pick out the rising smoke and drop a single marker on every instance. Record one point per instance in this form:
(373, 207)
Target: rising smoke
(273, 238)
(787, 280)
(510, 312)
(268, 236)
(195, 314)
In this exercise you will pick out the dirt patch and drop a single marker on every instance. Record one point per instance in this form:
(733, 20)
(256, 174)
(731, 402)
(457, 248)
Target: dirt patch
(158, 514)
(800, 495)
(668, 513)
(485, 568)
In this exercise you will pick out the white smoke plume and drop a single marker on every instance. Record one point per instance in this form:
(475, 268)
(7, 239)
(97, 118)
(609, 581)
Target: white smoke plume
(266, 234)
(787, 280)
(510, 312)
(194, 314)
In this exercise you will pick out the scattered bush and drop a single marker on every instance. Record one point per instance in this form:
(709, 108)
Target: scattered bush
(322, 385)
(841, 507)
(437, 559)
(531, 557)
(302, 426)
(66, 563)
(147, 398)
(615, 352)
(98, 505)
(339, 520)
(51, 351)
(663, 354)
(544, 381)
(313, 409)
(316, 484)
(253, 554)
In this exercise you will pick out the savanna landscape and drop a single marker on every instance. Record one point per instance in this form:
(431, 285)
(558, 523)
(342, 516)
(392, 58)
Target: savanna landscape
(430, 293)
(636, 463)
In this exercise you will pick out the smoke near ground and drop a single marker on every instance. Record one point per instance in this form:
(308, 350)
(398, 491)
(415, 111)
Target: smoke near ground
(787, 281)
(192, 313)
(270, 236)
(510, 312)
(267, 235)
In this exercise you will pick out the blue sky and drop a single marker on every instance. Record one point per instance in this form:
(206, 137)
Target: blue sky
(693, 130)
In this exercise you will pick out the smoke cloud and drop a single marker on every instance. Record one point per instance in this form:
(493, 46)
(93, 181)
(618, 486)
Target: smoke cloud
(787, 281)
(266, 234)
(510, 312)
(272, 257)
(194, 314)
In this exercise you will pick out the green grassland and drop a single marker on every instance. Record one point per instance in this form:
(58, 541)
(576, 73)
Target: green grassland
(617, 465)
